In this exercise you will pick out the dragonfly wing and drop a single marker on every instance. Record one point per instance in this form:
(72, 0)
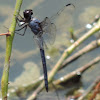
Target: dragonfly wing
(49, 30)
(39, 41)
(64, 19)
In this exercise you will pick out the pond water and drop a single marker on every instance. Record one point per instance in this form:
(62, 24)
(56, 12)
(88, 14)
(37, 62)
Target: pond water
(26, 61)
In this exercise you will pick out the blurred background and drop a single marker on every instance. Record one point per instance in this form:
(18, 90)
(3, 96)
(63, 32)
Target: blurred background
(26, 63)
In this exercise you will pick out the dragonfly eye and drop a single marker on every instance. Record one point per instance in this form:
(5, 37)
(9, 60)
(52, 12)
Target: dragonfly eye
(31, 13)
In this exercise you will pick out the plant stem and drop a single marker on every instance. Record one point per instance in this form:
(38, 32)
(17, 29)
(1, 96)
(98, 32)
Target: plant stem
(89, 89)
(76, 72)
(93, 45)
(66, 53)
(9, 41)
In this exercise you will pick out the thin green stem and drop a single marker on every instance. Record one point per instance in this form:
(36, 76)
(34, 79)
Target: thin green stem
(9, 41)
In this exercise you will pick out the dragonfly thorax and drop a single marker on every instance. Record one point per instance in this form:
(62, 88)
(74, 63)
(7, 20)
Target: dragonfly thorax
(35, 26)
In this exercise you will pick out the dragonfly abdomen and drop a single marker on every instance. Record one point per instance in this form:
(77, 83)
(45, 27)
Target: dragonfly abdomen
(44, 68)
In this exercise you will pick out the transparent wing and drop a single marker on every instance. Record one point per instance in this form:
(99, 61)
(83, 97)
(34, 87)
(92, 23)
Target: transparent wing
(64, 19)
(49, 30)
(40, 42)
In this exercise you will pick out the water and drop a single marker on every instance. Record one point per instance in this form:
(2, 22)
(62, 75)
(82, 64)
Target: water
(26, 62)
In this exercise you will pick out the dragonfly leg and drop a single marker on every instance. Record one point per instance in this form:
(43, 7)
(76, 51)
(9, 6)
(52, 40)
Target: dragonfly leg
(21, 29)
(18, 20)
(23, 25)
(21, 16)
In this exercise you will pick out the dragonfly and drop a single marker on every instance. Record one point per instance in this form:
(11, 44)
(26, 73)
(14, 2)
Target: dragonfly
(39, 29)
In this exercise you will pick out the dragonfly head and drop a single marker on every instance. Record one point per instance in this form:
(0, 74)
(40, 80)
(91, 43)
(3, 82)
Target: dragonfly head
(28, 14)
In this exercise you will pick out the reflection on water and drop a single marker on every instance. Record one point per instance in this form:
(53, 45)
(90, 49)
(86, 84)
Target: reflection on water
(26, 62)
(30, 71)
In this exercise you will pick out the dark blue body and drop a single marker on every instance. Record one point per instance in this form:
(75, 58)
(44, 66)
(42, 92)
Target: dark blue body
(36, 29)
(44, 68)
(34, 25)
